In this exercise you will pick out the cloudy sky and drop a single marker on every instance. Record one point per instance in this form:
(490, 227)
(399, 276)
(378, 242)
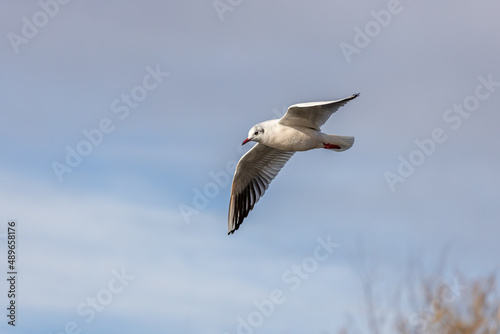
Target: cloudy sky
(121, 122)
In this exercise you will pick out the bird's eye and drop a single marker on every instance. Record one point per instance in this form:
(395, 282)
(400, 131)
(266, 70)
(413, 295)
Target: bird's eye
(256, 133)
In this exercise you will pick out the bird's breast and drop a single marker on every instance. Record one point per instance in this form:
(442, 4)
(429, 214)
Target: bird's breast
(288, 138)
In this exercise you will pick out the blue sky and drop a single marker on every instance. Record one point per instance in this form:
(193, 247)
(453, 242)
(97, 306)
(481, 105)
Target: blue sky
(427, 73)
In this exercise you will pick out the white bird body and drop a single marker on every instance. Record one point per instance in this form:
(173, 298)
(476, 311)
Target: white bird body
(298, 138)
(277, 141)
(289, 138)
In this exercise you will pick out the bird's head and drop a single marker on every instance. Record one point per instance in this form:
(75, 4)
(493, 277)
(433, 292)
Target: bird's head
(255, 134)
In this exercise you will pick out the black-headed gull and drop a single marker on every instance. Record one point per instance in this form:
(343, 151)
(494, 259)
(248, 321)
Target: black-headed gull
(277, 140)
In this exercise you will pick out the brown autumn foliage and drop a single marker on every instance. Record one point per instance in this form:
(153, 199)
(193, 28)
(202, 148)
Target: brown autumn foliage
(475, 310)
(472, 307)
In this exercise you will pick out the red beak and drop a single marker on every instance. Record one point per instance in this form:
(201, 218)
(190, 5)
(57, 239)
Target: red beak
(245, 141)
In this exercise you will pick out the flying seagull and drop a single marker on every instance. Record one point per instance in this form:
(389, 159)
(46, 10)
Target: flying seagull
(277, 140)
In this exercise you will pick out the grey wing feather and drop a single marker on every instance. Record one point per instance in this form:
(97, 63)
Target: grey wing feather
(312, 114)
(254, 172)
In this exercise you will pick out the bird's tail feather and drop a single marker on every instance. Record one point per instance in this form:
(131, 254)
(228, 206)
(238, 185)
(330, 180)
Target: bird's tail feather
(337, 143)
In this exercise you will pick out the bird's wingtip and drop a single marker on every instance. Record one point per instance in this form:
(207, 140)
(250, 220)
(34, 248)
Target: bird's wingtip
(232, 229)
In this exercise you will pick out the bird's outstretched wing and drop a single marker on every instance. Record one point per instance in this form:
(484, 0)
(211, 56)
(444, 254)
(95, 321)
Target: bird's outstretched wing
(312, 114)
(254, 172)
